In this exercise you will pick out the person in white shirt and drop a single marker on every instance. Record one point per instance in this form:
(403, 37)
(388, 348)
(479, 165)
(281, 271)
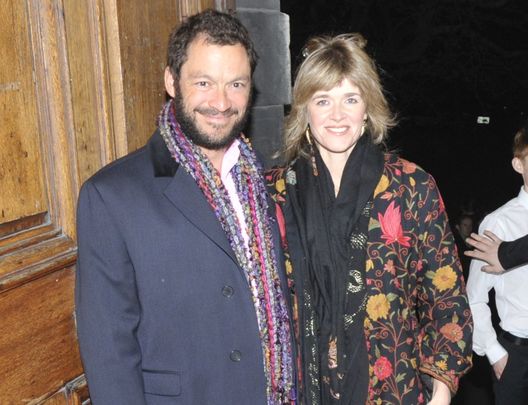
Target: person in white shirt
(506, 350)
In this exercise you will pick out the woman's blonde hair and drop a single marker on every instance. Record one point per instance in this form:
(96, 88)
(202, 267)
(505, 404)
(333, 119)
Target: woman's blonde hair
(328, 61)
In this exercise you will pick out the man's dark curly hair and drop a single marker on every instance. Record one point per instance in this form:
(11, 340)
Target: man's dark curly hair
(218, 29)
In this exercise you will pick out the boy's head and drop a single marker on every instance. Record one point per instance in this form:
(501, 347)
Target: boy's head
(464, 225)
(520, 154)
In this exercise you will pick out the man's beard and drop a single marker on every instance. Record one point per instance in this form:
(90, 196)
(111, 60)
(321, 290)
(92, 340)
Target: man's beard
(202, 139)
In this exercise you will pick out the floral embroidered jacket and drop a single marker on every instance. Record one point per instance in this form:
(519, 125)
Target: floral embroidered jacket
(418, 323)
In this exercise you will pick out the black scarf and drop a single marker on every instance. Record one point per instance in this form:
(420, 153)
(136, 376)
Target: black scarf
(333, 233)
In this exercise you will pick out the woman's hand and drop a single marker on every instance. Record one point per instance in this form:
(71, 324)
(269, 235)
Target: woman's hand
(441, 394)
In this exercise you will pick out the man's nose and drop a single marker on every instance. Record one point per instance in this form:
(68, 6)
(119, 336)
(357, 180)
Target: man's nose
(220, 100)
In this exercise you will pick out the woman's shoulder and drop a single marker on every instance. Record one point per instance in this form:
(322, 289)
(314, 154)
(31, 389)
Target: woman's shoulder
(396, 166)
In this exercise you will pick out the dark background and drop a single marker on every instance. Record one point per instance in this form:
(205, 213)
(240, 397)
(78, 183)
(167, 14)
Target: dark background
(443, 63)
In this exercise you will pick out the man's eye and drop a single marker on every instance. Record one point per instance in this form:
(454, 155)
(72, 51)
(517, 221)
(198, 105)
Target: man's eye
(239, 85)
(202, 84)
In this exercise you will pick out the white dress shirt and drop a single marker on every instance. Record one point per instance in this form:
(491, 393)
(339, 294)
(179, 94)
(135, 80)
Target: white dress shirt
(508, 222)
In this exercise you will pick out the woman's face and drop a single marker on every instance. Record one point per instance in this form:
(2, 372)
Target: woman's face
(336, 117)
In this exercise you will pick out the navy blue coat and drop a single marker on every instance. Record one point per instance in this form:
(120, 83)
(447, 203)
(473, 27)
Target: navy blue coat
(164, 312)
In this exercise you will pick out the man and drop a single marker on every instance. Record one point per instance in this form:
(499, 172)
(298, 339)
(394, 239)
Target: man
(180, 294)
(499, 255)
(507, 352)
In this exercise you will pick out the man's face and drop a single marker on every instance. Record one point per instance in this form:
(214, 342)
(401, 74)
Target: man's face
(212, 94)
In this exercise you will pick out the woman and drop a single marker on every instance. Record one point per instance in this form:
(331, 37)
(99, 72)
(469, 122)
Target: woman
(382, 314)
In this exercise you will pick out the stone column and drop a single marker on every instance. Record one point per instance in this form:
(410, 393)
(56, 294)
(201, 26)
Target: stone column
(270, 31)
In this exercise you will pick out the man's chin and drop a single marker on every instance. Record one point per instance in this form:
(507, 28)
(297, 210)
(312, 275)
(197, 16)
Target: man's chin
(214, 141)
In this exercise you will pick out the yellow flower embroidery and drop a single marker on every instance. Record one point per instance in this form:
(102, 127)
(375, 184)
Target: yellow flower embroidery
(413, 363)
(370, 264)
(444, 278)
(279, 185)
(289, 268)
(378, 307)
(382, 185)
(441, 364)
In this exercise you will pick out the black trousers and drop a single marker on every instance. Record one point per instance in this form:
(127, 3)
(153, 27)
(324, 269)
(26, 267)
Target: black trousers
(512, 388)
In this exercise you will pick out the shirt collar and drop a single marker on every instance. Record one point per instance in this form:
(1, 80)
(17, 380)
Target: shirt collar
(230, 158)
(523, 197)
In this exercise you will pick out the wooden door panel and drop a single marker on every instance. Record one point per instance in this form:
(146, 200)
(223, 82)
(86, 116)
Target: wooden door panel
(81, 83)
(38, 349)
(21, 172)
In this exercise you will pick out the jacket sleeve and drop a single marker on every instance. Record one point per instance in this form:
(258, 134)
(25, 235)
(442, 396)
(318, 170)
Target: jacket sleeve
(445, 319)
(514, 253)
(107, 306)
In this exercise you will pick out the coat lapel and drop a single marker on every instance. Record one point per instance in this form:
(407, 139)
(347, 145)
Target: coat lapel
(185, 194)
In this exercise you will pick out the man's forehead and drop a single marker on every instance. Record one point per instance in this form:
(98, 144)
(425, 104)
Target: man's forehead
(202, 54)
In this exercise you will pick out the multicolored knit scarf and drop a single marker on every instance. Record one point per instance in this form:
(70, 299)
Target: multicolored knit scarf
(257, 258)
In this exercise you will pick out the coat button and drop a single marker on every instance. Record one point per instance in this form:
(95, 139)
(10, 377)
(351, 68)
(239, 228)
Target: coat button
(235, 356)
(227, 291)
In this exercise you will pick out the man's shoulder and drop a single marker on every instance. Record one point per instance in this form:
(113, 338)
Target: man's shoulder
(505, 209)
(128, 166)
(502, 214)
(148, 161)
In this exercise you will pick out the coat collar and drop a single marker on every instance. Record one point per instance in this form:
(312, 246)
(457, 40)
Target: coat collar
(185, 194)
(162, 161)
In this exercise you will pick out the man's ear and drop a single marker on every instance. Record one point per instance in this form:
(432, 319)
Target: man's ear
(518, 165)
(169, 82)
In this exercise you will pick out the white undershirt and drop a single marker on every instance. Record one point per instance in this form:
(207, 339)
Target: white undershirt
(229, 161)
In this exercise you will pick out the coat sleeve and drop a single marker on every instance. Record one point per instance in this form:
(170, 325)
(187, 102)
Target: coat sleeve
(514, 253)
(444, 315)
(107, 306)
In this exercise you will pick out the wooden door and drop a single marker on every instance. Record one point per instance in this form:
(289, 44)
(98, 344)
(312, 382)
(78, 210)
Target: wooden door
(80, 85)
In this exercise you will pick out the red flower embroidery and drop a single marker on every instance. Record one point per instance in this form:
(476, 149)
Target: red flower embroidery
(282, 224)
(441, 205)
(419, 265)
(391, 226)
(382, 368)
(389, 266)
(408, 167)
(452, 332)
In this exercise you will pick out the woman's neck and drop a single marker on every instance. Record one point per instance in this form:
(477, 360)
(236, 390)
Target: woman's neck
(335, 163)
